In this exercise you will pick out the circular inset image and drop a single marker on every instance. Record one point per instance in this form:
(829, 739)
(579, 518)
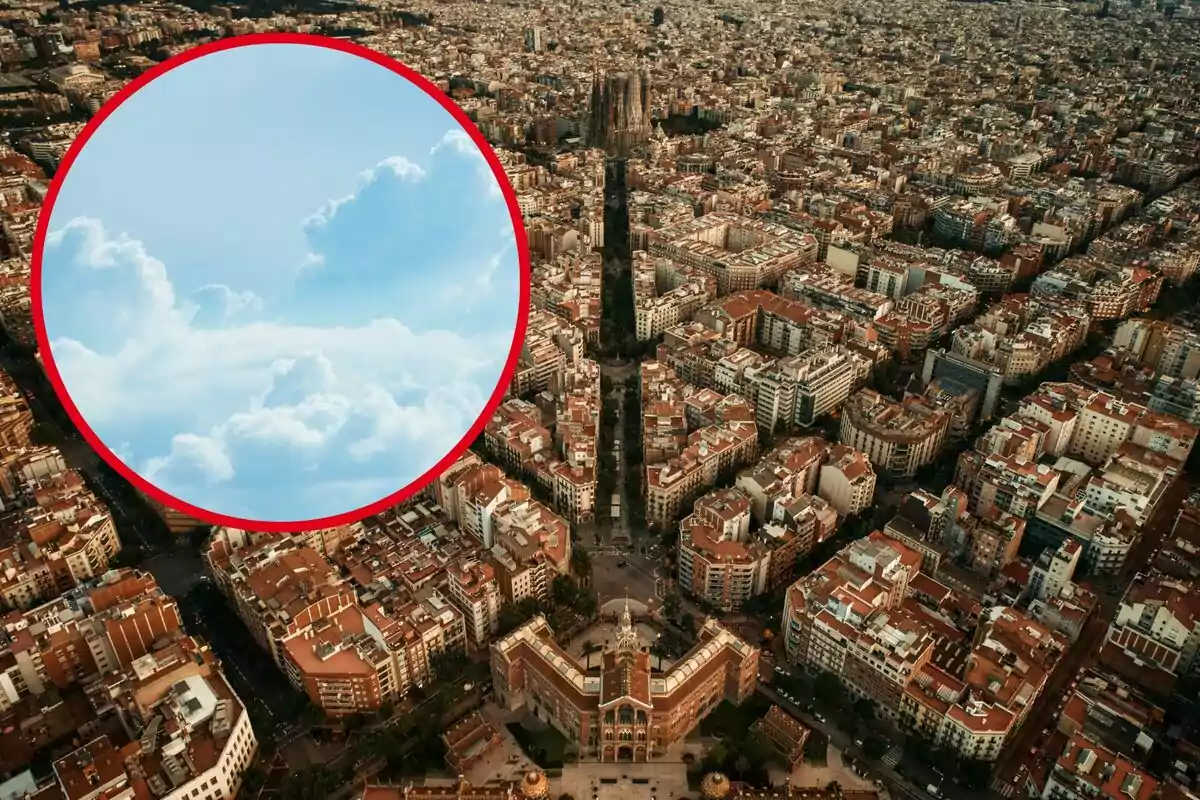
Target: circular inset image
(280, 282)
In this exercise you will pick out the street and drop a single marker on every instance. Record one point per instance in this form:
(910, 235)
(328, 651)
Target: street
(174, 562)
(1084, 651)
(898, 784)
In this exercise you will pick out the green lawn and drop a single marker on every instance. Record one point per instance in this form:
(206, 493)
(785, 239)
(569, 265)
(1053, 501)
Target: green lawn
(728, 721)
(546, 747)
(816, 749)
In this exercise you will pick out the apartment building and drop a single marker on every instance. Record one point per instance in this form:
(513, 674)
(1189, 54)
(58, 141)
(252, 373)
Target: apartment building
(474, 589)
(1104, 424)
(1106, 542)
(821, 287)
(191, 737)
(515, 435)
(737, 252)
(527, 543)
(1170, 350)
(1054, 569)
(718, 561)
(847, 480)
(1085, 769)
(280, 589)
(551, 343)
(94, 630)
(1107, 291)
(664, 416)
(897, 438)
(65, 538)
(562, 462)
(798, 390)
(846, 618)
(725, 562)
(711, 452)
(993, 542)
(16, 420)
(791, 468)
(666, 294)
(1155, 634)
(1010, 484)
(975, 712)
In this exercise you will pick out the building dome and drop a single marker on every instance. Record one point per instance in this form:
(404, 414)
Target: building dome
(715, 786)
(534, 785)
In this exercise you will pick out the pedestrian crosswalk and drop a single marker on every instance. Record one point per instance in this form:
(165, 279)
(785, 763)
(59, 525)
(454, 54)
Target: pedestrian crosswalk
(1003, 787)
(893, 755)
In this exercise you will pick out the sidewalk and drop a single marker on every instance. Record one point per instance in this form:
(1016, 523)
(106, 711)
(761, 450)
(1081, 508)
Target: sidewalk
(842, 742)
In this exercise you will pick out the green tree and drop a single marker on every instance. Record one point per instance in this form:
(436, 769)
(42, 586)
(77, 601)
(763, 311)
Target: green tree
(659, 15)
(875, 748)
(131, 555)
(581, 565)
(975, 774)
(312, 714)
(864, 709)
(513, 615)
(253, 779)
(671, 605)
(587, 605)
(563, 591)
(830, 690)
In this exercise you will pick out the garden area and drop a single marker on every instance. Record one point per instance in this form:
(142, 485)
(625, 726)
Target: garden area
(548, 748)
(729, 721)
(816, 749)
(740, 752)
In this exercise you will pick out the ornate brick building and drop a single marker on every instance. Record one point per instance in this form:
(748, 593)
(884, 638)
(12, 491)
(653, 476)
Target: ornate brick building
(627, 709)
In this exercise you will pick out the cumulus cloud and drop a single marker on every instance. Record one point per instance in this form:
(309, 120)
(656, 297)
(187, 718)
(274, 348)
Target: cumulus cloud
(398, 166)
(423, 207)
(101, 267)
(458, 142)
(305, 405)
(216, 303)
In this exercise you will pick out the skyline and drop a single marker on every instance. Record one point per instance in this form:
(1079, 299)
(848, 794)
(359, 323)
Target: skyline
(270, 361)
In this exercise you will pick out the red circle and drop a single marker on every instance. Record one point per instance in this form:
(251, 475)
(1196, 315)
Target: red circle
(39, 244)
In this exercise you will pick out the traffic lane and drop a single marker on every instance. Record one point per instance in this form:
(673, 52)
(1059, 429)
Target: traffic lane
(249, 664)
(1080, 656)
(844, 743)
(1085, 650)
(613, 582)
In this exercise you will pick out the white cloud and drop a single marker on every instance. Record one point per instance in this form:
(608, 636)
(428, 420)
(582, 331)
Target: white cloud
(458, 141)
(398, 165)
(199, 452)
(194, 407)
(99, 252)
(232, 303)
(467, 295)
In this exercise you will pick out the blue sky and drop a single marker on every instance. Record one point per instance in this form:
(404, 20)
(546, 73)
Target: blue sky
(280, 282)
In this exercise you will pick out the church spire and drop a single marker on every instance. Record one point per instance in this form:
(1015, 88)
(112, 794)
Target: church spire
(626, 635)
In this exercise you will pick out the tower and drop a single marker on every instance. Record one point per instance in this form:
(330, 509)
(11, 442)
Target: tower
(626, 634)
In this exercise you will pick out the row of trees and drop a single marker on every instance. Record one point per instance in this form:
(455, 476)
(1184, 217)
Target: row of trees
(742, 758)
(967, 772)
(607, 468)
(856, 716)
(568, 599)
(631, 450)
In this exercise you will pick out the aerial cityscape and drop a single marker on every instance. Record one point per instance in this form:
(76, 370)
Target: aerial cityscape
(299, 379)
(850, 453)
